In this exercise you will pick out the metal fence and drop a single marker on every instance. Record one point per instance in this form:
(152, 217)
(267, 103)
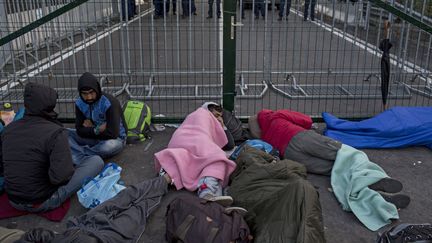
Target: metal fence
(176, 62)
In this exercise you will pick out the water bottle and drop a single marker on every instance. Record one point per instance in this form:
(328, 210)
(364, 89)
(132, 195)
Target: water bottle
(7, 115)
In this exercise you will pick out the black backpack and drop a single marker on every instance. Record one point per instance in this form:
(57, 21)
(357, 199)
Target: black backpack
(234, 125)
(194, 220)
(404, 233)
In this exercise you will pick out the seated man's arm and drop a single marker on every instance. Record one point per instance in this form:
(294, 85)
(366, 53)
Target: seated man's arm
(113, 117)
(85, 132)
(61, 166)
(1, 158)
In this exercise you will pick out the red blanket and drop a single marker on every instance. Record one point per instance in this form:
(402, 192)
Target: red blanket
(7, 211)
(279, 127)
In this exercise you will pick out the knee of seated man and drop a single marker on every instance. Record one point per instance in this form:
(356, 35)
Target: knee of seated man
(111, 145)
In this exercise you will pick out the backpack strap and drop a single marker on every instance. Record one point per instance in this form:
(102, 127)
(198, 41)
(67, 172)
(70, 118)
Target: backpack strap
(184, 227)
(212, 234)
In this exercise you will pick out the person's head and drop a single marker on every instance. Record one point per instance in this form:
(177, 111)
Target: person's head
(215, 109)
(40, 100)
(89, 88)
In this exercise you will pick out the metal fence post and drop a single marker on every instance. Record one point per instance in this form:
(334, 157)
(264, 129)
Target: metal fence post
(5, 50)
(229, 53)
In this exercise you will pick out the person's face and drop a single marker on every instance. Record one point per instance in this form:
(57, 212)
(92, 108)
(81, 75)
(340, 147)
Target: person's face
(216, 113)
(89, 96)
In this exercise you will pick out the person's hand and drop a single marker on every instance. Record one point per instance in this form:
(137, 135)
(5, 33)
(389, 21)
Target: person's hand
(88, 123)
(102, 128)
(220, 119)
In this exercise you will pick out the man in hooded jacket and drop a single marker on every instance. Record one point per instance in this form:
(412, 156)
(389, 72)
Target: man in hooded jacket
(38, 168)
(98, 122)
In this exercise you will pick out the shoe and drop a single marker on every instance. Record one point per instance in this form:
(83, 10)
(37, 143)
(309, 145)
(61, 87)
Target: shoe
(174, 14)
(256, 17)
(219, 17)
(399, 200)
(243, 17)
(280, 18)
(389, 185)
(305, 19)
(157, 16)
(209, 17)
(312, 19)
(239, 210)
(222, 200)
(194, 13)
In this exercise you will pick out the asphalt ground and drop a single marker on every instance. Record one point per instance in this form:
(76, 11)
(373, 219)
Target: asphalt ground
(412, 166)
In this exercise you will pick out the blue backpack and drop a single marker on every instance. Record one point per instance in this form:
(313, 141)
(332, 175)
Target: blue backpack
(255, 143)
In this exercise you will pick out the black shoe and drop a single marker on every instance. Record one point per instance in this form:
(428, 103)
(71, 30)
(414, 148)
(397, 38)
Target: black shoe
(209, 17)
(194, 13)
(399, 200)
(312, 18)
(387, 185)
(219, 17)
(280, 18)
(305, 19)
(243, 17)
(174, 14)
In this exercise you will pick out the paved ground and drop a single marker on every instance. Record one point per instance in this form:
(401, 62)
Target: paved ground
(412, 166)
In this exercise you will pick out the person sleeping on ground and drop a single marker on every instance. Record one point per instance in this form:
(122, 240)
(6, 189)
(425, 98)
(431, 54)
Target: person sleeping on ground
(194, 158)
(38, 167)
(120, 219)
(289, 132)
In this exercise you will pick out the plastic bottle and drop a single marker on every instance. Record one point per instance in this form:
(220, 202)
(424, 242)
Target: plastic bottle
(8, 114)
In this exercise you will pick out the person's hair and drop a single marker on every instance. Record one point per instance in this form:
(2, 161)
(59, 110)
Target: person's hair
(85, 88)
(213, 107)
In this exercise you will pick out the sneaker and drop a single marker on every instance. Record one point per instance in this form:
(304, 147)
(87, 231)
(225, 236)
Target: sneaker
(222, 200)
(239, 210)
(399, 200)
(389, 185)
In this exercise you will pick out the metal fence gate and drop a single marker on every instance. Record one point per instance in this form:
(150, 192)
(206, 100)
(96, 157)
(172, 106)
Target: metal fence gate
(176, 62)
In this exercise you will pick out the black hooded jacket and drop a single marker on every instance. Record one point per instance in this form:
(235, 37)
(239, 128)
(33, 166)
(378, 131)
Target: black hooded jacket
(106, 109)
(36, 154)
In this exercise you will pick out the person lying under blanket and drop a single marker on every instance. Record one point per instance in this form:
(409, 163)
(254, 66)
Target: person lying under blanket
(353, 176)
(194, 158)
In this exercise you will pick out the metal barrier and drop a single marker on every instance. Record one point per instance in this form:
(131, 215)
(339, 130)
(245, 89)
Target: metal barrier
(176, 62)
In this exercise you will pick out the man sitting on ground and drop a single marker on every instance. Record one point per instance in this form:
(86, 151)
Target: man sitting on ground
(38, 168)
(98, 123)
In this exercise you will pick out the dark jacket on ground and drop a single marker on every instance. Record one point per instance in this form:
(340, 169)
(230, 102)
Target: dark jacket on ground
(106, 109)
(282, 205)
(120, 219)
(36, 154)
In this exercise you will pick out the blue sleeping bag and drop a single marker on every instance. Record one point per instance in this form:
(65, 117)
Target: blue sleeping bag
(394, 128)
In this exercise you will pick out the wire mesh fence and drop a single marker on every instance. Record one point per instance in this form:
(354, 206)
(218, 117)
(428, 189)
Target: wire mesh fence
(172, 58)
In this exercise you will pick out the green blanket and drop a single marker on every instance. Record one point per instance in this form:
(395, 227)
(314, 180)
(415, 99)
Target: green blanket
(351, 175)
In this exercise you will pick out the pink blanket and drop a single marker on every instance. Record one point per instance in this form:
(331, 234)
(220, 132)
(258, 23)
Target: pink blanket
(195, 151)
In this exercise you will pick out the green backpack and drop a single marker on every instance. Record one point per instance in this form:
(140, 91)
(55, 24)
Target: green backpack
(137, 117)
